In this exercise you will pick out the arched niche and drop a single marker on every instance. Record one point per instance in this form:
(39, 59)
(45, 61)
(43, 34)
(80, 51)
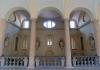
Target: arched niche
(17, 32)
(82, 32)
(50, 32)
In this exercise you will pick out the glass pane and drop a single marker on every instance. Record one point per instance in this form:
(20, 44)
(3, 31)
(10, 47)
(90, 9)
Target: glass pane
(26, 24)
(49, 24)
(72, 24)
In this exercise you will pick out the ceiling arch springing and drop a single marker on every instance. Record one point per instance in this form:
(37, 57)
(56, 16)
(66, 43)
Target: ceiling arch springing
(80, 17)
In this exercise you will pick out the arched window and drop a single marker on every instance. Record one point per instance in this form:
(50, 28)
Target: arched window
(49, 24)
(73, 43)
(49, 42)
(73, 24)
(25, 24)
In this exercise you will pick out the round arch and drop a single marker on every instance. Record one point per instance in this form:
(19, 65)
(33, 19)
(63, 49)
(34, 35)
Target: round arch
(53, 10)
(83, 9)
(14, 9)
(50, 18)
(82, 21)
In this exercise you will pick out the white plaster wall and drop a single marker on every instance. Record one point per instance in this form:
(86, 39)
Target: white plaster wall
(59, 4)
(89, 4)
(41, 4)
(11, 30)
(86, 30)
(34, 6)
(7, 5)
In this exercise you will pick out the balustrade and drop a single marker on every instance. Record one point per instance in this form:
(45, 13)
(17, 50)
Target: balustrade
(42, 61)
(85, 61)
(50, 61)
(13, 61)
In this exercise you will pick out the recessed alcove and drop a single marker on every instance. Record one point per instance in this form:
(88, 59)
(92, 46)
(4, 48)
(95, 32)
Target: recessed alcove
(82, 33)
(49, 31)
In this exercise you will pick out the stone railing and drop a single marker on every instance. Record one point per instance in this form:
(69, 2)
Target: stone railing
(43, 61)
(85, 61)
(13, 61)
(50, 61)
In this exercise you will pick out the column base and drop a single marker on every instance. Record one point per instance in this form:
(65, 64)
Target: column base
(31, 63)
(30, 68)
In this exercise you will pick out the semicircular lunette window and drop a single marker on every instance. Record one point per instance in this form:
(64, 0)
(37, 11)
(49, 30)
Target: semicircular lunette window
(73, 24)
(26, 24)
(49, 24)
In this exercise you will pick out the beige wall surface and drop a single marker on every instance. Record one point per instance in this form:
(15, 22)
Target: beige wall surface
(55, 36)
(22, 44)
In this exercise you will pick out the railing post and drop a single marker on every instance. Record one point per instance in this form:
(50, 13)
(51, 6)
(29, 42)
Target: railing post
(2, 61)
(25, 61)
(37, 61)
(62, 62)
(74, 61)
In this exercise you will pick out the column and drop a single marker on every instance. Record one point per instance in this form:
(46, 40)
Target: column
(67, 45)
(2, 35)
(97, 41)
(32, 44)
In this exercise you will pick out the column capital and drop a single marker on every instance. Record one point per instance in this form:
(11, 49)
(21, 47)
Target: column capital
(95, 21)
